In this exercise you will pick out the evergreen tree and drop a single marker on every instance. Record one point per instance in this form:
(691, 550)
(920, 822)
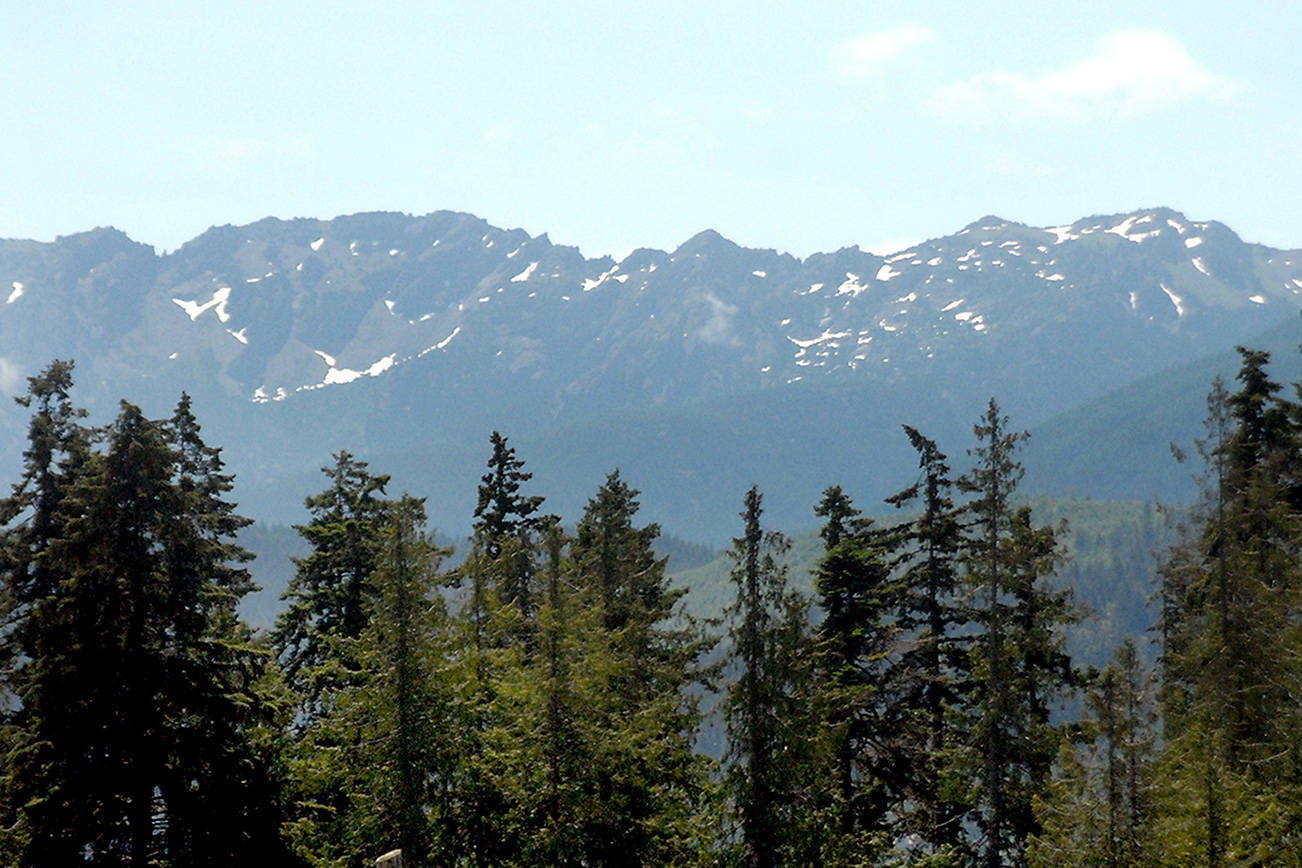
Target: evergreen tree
(767, 711)
(577, 746)
(619, 561)
(330, 595)
(934, 671)
(57, 451)
(222, 712)
(649, 785)
(504, 516)
(385, 745)
(1229, 626)
(139, 707)
(1098, 810)
(496, 627)
(857, 644)
(1019, 667)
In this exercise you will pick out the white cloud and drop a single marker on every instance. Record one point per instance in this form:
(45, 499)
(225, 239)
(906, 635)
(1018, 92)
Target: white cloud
(887, 246)
(498, 134)
(11, 378)
(864, 55)
(665, 137)
(1132, 72)
(757, 113)
(240, 148)
(718, 328)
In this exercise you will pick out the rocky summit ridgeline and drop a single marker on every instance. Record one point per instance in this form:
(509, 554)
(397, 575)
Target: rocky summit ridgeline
(408, 338)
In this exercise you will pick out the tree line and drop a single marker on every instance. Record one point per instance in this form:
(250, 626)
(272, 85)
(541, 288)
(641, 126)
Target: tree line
(544, 702)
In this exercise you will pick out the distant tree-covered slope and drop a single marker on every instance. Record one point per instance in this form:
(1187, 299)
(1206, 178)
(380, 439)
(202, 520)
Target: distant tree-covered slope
(1112, 552)
(1118, 445)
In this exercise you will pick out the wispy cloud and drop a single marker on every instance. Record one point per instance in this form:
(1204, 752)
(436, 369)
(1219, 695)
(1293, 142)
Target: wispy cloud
(1132, 72)
(864, 55)
(239, 148)
(718, 328)
(11, 377)
(498, 134)
(666, 136)
(887, 246)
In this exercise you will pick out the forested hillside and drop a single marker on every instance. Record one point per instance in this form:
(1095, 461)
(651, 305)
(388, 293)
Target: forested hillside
(540, 697)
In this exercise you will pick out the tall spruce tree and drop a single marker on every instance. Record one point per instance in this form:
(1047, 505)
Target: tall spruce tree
(506, 523)
(618, 560)
(767, 711)
(58, 447)
(577, 745)
(1231, 600)
(499, 624)
(374, 771)
(330, 595)
(133, 742)
(934, 668)
(650, 785)
(857, 643)
(1020, 670)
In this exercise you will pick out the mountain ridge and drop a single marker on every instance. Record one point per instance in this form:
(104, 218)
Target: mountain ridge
(392, 335)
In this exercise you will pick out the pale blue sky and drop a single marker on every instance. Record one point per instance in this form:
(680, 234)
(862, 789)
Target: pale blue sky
(799, 127)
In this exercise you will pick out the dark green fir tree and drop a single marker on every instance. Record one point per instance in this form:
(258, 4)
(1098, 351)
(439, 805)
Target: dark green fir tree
(330, 595)
(141, 709)
(768, 711)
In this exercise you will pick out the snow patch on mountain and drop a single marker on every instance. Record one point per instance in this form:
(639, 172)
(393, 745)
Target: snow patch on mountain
(827, 335)
(16, 294)
(526, 274)
(592, 283)
(260, 395)
(1124, 228)
(217, 304)
(441, 344)
(850, 286)
(1176, 300)
(336, 375)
